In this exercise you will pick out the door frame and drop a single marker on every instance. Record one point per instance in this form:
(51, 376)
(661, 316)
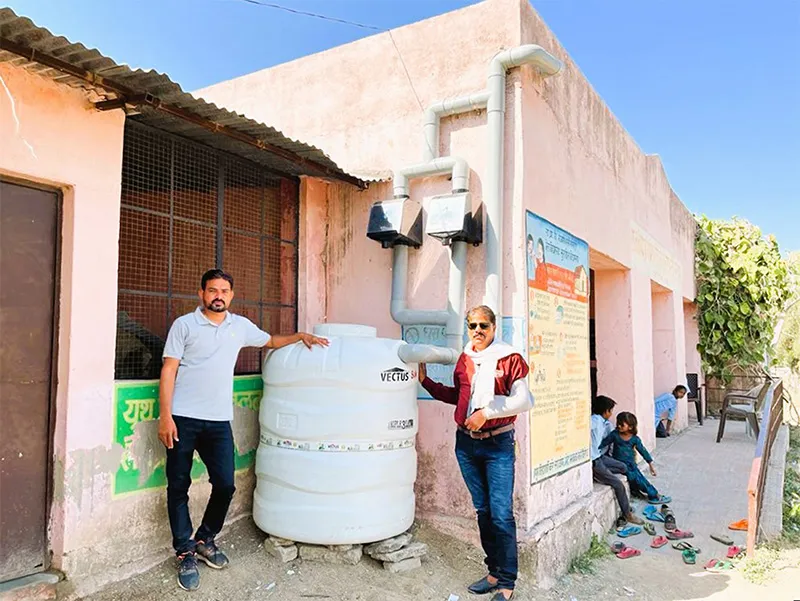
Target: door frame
(47, 559)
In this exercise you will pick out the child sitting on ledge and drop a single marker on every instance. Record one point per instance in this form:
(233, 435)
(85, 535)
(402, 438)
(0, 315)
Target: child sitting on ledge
(625, 442)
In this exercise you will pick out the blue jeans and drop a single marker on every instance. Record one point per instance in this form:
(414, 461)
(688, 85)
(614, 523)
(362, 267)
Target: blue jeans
(214, 443)
(488, 469)
(639, 484)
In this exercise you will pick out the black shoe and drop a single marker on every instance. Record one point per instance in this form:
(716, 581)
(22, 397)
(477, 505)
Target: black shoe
(208, 552)
(621, 521)
(501, 597)
(188, 575)
(482, 587)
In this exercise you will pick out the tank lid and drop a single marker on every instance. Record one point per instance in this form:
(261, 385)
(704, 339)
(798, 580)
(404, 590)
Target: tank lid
(345, 329)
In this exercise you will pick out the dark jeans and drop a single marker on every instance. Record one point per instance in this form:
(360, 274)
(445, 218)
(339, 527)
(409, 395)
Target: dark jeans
(604, 469)
(488, 469)
(214, 443)
(640, 484)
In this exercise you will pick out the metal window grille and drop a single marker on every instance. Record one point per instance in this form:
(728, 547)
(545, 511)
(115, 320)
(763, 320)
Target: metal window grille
(187, 208)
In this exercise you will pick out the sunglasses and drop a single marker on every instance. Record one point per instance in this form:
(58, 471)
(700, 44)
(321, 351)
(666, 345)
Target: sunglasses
(474, 325)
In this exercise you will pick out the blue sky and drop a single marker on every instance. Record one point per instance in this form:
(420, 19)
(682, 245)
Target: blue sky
(712, 86)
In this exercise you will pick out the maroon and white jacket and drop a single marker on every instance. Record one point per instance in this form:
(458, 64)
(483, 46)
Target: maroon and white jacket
(510, 383)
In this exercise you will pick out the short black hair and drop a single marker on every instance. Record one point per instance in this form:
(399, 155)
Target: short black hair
(626, 417)
(215, 274)
(678, 388)
(602, 403)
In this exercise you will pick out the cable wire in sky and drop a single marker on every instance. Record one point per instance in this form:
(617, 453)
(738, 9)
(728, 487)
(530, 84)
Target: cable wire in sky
(354, 24)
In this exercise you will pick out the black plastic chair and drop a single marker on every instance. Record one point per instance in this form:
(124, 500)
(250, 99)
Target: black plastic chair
(694, 395)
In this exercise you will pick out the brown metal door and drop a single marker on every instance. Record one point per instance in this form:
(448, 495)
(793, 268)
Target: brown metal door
(28, 242)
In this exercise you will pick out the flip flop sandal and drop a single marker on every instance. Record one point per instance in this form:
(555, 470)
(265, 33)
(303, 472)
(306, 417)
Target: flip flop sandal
(711, 564)
(689, 556)
(662, 499)
(617, 548)
(721, 538)
(659, 542)
(735, 552)
(721, 566)
(740, 525)
(652, 514)
(679, 534)
(682, 546)
(629, 531)
(628, 552)
(650, 529)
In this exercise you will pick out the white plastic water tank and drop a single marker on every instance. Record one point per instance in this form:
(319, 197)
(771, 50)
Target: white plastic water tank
(336, 462)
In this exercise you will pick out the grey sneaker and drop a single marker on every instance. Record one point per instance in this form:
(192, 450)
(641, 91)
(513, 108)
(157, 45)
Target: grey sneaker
(188, 575)
(208, 552)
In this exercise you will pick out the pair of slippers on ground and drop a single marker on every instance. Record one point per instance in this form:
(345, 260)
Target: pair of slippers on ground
(717, 565)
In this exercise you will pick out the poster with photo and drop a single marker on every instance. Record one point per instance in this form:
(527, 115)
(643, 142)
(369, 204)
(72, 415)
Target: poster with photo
(558, 347)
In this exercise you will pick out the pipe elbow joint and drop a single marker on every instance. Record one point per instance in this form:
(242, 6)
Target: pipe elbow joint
(460, 174)
(405, 316)
(424, 353)
(399, 184)
(546, 63)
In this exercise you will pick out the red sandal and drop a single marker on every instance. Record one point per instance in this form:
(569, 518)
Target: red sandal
(659, 541)
(628, 552)
(679, 534)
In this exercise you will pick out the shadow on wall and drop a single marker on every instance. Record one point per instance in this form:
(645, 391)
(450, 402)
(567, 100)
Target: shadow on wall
(139, 351)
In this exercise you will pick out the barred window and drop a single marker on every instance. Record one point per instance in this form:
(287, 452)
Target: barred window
(187, 208)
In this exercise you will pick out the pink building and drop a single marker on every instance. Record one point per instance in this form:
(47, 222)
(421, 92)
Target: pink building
(118, 190)
(566, 158)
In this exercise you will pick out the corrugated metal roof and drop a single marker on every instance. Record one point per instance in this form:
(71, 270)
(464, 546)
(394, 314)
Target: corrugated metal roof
(22, 32)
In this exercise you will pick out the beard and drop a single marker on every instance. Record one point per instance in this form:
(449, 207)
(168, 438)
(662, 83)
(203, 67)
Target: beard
(217, 306)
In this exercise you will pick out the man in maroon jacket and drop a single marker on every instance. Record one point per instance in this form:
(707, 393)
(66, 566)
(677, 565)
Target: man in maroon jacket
(489, 390)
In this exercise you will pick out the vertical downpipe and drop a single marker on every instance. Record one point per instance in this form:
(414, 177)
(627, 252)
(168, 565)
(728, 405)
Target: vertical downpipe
(493, 197)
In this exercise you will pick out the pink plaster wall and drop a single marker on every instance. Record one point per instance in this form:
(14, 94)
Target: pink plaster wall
(566, 158)
(77, 150)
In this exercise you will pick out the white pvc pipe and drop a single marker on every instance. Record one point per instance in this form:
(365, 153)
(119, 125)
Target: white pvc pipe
(493, 98)
(456, 295)
(455, 165)
(425, 353)
(400, 312)
(444, 108)
(547, 65)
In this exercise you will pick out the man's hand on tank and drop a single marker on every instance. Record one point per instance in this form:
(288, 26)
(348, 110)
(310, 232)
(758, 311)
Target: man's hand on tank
(310, 340)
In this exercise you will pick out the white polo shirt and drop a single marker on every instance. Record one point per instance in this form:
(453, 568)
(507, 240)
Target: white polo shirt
(207, 353)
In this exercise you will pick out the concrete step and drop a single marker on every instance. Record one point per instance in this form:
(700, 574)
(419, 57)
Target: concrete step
(38, 587)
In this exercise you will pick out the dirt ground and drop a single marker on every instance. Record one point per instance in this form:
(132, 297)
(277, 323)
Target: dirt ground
(656, 576)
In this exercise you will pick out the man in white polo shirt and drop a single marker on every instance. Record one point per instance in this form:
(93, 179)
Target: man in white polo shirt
(196, 410)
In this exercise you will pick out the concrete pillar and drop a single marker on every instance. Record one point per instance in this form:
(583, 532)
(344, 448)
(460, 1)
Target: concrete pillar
(642, 324)
(664, 351)
(312, 270)
(614, 337)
